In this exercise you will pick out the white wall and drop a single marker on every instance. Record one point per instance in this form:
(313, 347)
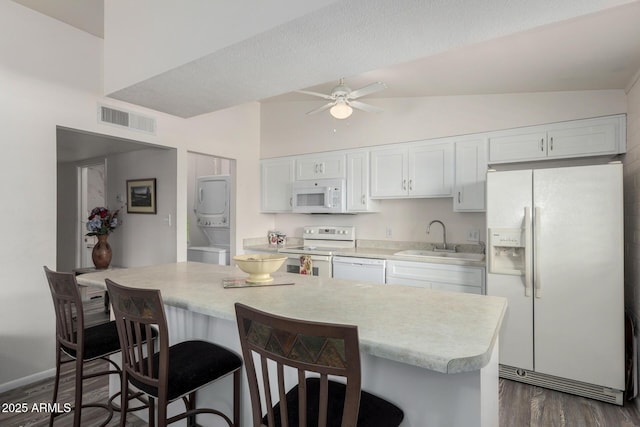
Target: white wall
(56, 79)
(286, 130)
(143, 239)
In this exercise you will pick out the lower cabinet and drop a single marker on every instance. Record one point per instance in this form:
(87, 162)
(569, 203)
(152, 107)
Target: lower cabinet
(444, 277)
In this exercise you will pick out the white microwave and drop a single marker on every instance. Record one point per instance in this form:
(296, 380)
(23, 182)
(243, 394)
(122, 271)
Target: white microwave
(320, 196)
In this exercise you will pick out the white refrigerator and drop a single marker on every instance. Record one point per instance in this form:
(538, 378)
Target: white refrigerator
(555, 251)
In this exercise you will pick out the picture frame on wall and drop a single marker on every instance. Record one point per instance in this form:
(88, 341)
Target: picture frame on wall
(141, 196)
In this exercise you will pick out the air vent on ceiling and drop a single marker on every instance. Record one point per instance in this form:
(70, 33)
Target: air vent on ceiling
(126, 119)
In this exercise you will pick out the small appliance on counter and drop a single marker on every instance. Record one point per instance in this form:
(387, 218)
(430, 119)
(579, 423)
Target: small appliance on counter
(276, 238)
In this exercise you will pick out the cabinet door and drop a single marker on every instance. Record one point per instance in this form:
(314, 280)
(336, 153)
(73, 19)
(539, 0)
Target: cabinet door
(358, 183)
(512, 147)
(389, 173)
(470, 175)
(587, 138)
(276, 179)
(431, 170)
(320, 167)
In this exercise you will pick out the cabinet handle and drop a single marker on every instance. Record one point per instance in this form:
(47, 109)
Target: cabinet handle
(291, 201)
(459, 197)
(410, 184)
(541, 144)
(315, 167)
(321, 167)
(404, 184)
(363, 201)
(551, 145)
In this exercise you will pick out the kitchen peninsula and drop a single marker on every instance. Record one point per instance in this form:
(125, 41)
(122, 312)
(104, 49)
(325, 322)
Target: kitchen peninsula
(433, 353)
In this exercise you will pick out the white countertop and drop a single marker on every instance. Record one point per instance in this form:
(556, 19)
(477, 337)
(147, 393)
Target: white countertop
(442, 331)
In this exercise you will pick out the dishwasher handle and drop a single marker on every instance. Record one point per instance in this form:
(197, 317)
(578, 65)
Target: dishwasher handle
(358, 261)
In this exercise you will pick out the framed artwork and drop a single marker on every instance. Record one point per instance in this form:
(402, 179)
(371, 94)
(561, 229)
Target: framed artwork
(141, 196)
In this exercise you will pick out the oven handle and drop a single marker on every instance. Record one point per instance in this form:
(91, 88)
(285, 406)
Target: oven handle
(296, 256)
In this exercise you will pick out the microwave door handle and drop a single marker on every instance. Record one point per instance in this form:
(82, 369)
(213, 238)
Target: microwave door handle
(328, 196)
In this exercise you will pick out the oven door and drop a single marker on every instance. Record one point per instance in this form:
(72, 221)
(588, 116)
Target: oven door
(320, 264)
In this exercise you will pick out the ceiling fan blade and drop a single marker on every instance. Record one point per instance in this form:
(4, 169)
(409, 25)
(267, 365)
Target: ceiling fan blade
(324, 107)
(321, 95)
(367, 90)
(365, 107)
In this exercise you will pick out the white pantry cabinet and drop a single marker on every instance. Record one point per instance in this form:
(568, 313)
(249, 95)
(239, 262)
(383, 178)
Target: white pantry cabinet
(470, 175)
(577, 138)
(358, 199)
(444, 277)
(319, 166)
(422, 169)
(275, 184)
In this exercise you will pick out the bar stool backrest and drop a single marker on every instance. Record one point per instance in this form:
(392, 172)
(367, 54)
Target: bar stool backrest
(68, 308)
(137, 312)
(323, 349)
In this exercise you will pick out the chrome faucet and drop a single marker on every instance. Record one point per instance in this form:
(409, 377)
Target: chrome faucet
(444, 235)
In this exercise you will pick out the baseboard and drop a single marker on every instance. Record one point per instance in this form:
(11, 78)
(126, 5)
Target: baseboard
(29, 379)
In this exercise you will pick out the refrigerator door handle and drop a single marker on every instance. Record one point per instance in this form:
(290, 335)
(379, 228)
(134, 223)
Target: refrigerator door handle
(527, 255)
(536, 247)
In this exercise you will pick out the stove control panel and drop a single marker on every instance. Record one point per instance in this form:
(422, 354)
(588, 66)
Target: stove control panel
(329, 233)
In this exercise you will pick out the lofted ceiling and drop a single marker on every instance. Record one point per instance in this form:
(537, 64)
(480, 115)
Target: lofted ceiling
(592, 51)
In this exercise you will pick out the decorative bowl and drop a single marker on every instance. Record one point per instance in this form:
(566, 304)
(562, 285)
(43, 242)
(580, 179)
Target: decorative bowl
(259, 266)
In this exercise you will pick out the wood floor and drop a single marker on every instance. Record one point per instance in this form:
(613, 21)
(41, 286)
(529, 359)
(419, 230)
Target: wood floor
(521, 405)
(526, 405)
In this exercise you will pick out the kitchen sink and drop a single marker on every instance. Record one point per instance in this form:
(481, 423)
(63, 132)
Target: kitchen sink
(432, 254)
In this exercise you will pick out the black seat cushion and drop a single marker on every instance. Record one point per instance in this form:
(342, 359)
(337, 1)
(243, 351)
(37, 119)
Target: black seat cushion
(192, 364)
(99, 340)
(374, 411)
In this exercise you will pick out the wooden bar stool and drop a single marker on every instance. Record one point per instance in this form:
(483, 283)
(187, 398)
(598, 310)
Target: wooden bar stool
(173, 372)
(322, 349)
(79, 343)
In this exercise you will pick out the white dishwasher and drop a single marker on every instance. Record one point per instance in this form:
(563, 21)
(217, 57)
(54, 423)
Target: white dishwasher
(361, 269)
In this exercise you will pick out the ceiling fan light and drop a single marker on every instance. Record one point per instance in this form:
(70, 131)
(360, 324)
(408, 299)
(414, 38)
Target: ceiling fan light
(341, 110)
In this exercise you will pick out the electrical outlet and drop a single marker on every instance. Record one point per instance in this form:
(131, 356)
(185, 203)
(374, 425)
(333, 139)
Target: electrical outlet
(473, 235)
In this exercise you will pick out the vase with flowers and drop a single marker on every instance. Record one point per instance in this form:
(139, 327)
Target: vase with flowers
(102, 222)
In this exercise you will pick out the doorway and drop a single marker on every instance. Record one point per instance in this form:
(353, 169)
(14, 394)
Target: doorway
(91, 193)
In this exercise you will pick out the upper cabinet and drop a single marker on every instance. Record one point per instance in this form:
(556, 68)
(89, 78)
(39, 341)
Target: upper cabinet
(419, 169)
(319, 166)
(276, 184)
(470, 174)
(578, 138)
(445, 167)
(358, 199)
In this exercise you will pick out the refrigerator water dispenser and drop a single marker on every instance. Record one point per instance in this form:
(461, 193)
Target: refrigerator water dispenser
(507, 251)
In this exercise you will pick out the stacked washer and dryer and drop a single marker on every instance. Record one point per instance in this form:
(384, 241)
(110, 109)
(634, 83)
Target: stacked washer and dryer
(211, 206)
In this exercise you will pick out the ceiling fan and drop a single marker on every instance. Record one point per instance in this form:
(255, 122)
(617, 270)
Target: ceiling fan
(343, 99)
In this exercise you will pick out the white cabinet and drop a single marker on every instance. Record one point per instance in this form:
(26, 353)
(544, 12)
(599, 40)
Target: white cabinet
(578, 138)
(445, 277)
(412, 170)
(358, 199)
(320, 167)
(276, 180)
(470, 175)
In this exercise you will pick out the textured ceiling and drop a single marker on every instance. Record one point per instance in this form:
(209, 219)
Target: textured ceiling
(419, 48)
(443, 48)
